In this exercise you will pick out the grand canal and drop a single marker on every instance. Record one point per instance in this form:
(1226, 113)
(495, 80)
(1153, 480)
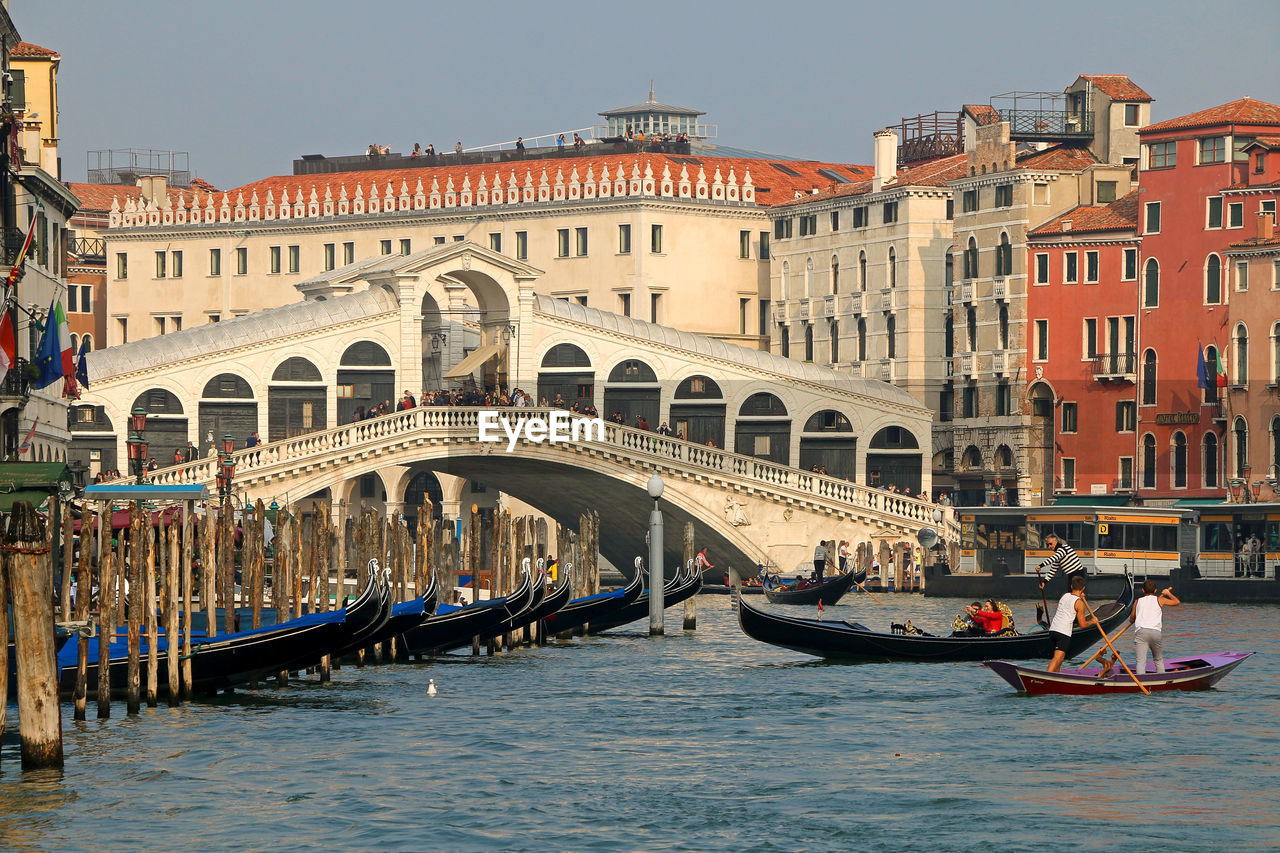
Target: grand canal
(696, 741)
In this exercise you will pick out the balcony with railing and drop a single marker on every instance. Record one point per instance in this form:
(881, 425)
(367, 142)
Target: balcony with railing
(16, 383)
(854, 305)
(967, 364)
(999, 362)
(780, 312)
(999, 289)
(1045, 116)
(828, 306)
(802, 309)
(965, 291)
(87, 249)
(1118, 366)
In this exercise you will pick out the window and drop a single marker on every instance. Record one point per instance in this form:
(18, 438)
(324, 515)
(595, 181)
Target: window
(951, 208)
(1004, 256)
(893, 267)
(624, 304)
(860, 217)
(1235, 214)
(295, 258)
(891, 332)
(1004, 398)
(969, 201)
(1211, 366)
(122, 265)
(330, 256)
(439, 241)
(946, 404)
(495, 242)
(176, 266)
(1071, 267)
(161, 259)
(582, 300)
(1126, 416)
(1210, 466)
(1213, 218)
(1240, 430)
(972, 324)
(242, 261)
(1240, 367)
(1260, 163)
(406, 246)
(784, 338)
(273, 262)
(1042, 340)
(1130, 115)
(1130, 271)
(655, 238)
(522, 245)
(384, 246)
(1068, 475)
(1179, 460)
(1090, 337)
(808, 225)
(1004, 327)
(1126, 473)
(971, 259)
(862, 339)
(1213, 280)
(743, 304)
(1106, 192)
(1090, 267)
(1151, 285)
(835, 274)
(1149, 378)
(744, 244)
(969, 401)
(1042, 268)
(764, 245)
(763, 312)
(1162, 155)
(782, 229)
(458, 238)
(580, 242)
(890, 212)
(1269, 207)
(808, 342)
(835, 220)
(862, 271)
(1213, 150)
(1242, 275)
(215, 262)
(562, 242)
(1004, 195)
(1069, 417)
(124, 329)
(655, 302)
(1153, 218)
(1148, 461)
(834, 333)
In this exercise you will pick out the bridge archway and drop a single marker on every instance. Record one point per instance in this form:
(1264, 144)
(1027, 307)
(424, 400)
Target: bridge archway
(566, 372)
(366, 378)
(633, 390)
(698, 410)
(296, 399)
(763, 429)
(828, 442)
(893, 459)
(227, 407)
(423, 484)
(166, 423)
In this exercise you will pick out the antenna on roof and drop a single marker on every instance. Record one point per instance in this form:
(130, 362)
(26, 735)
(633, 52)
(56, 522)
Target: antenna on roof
(652, 99)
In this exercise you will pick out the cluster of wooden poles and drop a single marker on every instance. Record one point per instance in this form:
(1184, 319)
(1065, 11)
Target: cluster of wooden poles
(159, 571)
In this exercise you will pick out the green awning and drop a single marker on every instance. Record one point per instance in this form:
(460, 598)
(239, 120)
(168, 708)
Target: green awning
(1199, 502)
(1092, 500)
(31, 496)
(33, 482)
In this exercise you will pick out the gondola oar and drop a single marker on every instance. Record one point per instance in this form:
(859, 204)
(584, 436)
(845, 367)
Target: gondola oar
(1043, 600)
(868, 592)
(1107, 640)
(1099, 652)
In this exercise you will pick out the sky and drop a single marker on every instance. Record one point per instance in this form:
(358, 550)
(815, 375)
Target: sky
(247, 87)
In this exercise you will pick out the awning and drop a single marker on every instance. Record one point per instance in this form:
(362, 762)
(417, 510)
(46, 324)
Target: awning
(1092, 500)
(145, 492)
(472, 362)
(1199, 502)
(32, 481)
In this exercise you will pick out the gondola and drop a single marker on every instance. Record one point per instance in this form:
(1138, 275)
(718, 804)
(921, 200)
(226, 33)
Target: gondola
(841, 639)
(1187, 673)
(685, 584)
(828, 592)
(523, 616)
(589, 609)
(453, 627)
(404, 615)
(229, 659)
(556, 598)
(60, 639)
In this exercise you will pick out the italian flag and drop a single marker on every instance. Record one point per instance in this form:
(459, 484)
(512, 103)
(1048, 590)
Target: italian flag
(68, 355)
(1219, 372)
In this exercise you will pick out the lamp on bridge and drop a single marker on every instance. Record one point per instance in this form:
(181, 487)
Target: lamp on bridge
(656, 579)
(137, 443)
(226, 467)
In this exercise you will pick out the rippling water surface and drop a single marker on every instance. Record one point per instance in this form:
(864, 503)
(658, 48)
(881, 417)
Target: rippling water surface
(702, 740)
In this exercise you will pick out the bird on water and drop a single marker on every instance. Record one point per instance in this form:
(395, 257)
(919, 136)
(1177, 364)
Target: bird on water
(431, 687)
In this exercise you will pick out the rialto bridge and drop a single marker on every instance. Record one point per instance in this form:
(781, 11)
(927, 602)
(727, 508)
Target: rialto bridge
(459, 315)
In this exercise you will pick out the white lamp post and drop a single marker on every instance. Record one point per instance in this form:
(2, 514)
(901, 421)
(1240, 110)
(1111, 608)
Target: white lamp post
(656, 605)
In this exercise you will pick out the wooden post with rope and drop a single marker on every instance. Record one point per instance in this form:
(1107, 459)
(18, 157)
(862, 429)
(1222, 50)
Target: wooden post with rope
(1107, 640)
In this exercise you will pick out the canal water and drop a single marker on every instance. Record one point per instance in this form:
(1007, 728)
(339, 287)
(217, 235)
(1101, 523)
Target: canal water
(696, 741)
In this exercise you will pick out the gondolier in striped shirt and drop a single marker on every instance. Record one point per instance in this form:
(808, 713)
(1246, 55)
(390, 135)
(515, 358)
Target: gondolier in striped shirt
(1063, 560)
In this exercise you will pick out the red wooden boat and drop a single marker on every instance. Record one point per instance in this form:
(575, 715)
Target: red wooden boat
(1186, 673)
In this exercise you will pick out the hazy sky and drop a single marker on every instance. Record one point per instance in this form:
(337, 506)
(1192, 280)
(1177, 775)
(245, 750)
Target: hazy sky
(246, 87)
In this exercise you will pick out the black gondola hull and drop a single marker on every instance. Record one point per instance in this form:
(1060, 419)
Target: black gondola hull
(828, 592)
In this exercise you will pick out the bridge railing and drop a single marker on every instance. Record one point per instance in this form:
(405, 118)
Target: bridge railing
(638, 443)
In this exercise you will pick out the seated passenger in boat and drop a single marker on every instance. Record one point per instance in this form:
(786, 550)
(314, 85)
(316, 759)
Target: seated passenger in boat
(965, 623)
(989, 618)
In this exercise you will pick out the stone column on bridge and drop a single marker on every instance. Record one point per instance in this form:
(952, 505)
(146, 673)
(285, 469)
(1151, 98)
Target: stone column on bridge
(452, 323)
(521, 370)
(410, 371)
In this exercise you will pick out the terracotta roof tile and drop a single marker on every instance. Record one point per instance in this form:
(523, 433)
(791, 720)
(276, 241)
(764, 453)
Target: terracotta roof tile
(935, 173)
(1117, 87)
(983, 113)
(1256, 243)
(26, 50)
(1119, 215)
(1243, 111)
(98, 197)
(1059, 158)
(1269, 142)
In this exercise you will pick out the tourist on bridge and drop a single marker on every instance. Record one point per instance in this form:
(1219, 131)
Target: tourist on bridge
(192, 454)
(177, 456)
(519, 143)
(252, 440)
(1064, 560)
(641, 423)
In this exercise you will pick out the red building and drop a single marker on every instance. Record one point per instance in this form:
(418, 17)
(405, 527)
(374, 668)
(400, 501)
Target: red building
(1082, 336)
(1194, 203)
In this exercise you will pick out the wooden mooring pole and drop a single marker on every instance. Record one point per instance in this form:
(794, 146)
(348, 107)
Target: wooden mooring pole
(690, 609)
(84, 591)
(171, 613)
(188, 529)
(107, 620)
(28, 564)
(154, 549)
(133, 610)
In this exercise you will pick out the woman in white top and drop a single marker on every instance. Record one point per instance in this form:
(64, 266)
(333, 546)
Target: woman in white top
(1147, 619)
(844, 554)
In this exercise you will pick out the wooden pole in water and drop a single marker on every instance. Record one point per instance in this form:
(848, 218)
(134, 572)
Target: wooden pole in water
(227, 565)
(4, 644)
(29, 565)
(690, 608)
(171, 613)
(338, 573)
(258, 559)
(106, 608)
(360, 551)
(188, 529)
(297, 566)
(133, 611)
(208, 572)
(151, 548)
(321, 530)
(84, 591)
(68, 553)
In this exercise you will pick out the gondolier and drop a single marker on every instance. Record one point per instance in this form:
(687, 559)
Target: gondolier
(1063, 560)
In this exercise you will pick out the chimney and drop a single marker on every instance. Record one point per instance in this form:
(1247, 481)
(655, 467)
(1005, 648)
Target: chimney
(886, 159)
(154, 188)
(1266, 225)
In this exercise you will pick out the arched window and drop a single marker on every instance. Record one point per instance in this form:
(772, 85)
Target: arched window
(566, 355)
(893, 267)
(808, 277)
(1275, 353)
(1004, 327)
(1179, 460)
(835, 274)
(1211, 374)
(949, 336)
(1149, 378)
(1241, 430)
(1148, 461)
(862, 339)
(973, 330)
(862, 271)
(891, 329)
(1275, 445)
(808, 342)
(1210, 460)
(87, 343)
(971, 259)
(950, 268)
(971, 458)
(835, 342)
(1213, 280)
(784, 336)
(1004, 456)
(1151, 285)
(786, 280)
(75, 344)
(1004, 256)
(1240, 369)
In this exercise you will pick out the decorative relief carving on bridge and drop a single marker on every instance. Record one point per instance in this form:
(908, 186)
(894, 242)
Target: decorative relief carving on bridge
(735, 512)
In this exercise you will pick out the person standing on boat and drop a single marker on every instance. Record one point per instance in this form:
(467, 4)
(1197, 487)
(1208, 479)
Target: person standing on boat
(844, 553)
(819, 560)
(1071, 612)
(1147, 618)
(1063, 560)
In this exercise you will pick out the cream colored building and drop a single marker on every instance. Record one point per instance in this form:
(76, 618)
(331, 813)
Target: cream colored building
(681, 241)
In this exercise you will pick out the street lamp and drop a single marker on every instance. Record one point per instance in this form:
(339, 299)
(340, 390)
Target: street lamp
(656, 604)
(226, 467)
